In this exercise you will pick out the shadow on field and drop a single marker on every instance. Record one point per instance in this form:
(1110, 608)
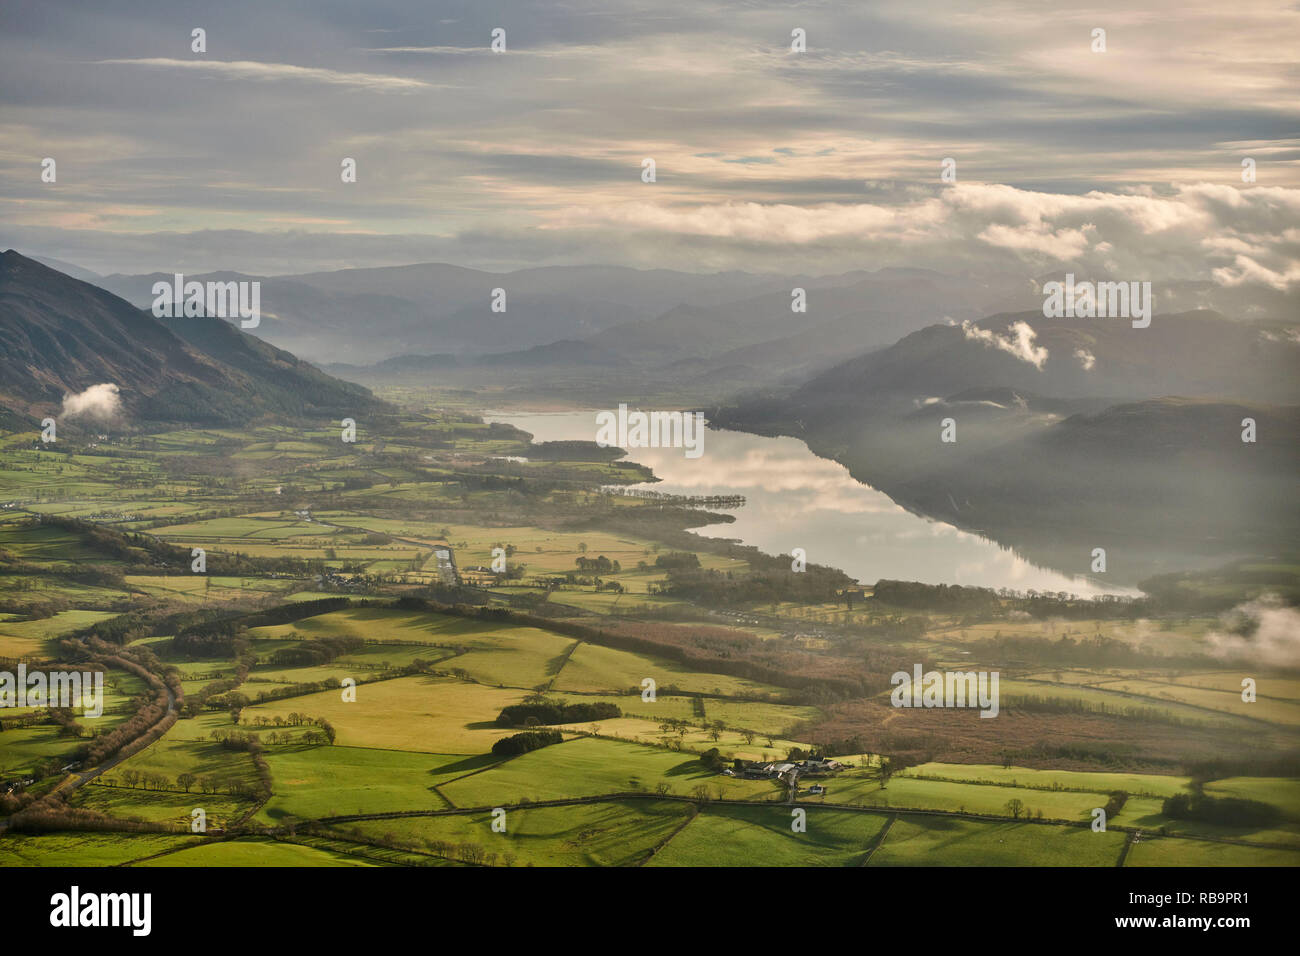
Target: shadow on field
(940, 823)
(468, 765)
(687, 768)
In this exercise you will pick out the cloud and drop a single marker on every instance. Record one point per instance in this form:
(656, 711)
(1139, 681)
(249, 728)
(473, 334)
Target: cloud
(591, 209)
(1173, 235)
(1020, 343)
(99, 403)
(1246, 270)
(254, 70)
(1271, 633)
(767, 160)
(1086, 359)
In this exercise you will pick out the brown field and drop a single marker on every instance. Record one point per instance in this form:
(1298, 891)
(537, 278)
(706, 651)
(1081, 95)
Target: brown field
(962, 736)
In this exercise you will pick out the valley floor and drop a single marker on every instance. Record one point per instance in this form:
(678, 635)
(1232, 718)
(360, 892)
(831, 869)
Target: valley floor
(326, 693)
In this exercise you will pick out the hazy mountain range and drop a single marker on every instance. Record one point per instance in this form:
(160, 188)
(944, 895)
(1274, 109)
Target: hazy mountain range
(1067, 430)
(650, 318)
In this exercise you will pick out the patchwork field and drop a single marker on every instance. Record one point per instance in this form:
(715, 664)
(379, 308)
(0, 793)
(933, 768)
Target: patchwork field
(425, 714)
(298, 516)
(314, 782)
(1168, 851)
(762, 836)
(87, 849)
(729, 743)
(172, 807)
(613, 833)
(252, 852)
(597, 669)
(26, 639)
(591, 767)
(761, 717)
(940, 841)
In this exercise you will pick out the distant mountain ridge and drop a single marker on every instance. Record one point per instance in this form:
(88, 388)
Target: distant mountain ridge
(362, 316)
(708, 334)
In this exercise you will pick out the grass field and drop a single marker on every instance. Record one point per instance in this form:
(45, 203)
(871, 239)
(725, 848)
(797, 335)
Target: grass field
(204, 588)
(759, 716)
(254, 852)
(1170, 851)
(762, 836)
(86, 849)
(596, 669)
(919, 794)
(1228, 701)
(20, 639)
(591, 767)
(730, 743)
(23, 747)
(1102, 699)
(162, 806)
(173, 755)
(313, 782)
(940, 841)
(613, 833)
(1134, 783)
(425, 714)
(1282, 793)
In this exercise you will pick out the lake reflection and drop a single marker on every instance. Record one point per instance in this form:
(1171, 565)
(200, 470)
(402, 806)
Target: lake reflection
(795, 499)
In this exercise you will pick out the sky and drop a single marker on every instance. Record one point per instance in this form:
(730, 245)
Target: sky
(766, 159)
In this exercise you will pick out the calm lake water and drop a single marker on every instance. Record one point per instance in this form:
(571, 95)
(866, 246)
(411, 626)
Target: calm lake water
(795, 499)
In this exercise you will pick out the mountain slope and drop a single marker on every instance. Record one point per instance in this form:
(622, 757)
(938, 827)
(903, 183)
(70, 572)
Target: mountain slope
(59, 335)
(1195, 353)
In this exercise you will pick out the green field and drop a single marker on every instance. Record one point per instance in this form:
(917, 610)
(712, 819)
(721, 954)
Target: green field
(941, 841)
(759, 716)
(86, 849)
(910, 793)
(1169, 851)
(175, 754)
(731, 744)
(426, 714)
(596, 669)
(590, 767)
(27, 638)
(253, 852)
(313, 782)
(763, 836)
(1134, 783)
(163, 806)
(613, 833)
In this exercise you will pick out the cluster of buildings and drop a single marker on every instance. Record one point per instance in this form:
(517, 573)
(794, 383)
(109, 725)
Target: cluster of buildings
(813, 766)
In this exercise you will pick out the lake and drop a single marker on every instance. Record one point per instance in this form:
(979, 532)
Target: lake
(794, 499)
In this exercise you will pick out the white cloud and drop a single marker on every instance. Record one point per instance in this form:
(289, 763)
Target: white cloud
(1275, 634)
(99, 403)
(973, 225)
(1019, 343)
(254, 70)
